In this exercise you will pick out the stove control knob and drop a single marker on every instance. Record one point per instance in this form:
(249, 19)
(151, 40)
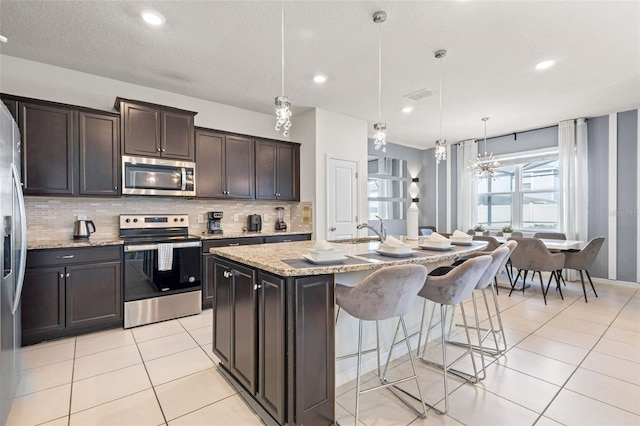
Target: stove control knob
(127, 220)
(135, 220)
(182, 219)
(175, 219)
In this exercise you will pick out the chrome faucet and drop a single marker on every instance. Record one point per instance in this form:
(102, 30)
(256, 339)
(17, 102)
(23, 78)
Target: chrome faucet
(382, 233)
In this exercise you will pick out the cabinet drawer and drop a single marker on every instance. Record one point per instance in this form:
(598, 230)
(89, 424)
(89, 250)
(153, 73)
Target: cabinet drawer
(49, 257)
(287, 238)
(226, 242)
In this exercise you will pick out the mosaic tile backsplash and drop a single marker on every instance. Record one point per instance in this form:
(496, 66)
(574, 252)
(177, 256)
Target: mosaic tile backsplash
(51, 219)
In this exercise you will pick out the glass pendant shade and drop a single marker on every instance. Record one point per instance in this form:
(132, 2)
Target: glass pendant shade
(441, 150)
(441, 144)
(380, 137)
(484, 166)
(283, 113)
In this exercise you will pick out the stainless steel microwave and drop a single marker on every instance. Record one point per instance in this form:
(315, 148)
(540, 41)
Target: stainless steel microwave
(158, 176)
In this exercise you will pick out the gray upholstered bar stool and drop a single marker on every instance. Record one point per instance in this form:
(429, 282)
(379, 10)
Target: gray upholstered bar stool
(499, 258)
(452, 289)
(388, 292)
(583, 259)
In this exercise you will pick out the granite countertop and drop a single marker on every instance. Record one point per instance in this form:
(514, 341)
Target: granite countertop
(71, 243)
(262, 233)
(286, 259)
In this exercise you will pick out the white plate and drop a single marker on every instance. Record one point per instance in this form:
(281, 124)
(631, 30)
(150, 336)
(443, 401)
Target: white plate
(395, 249)
(320, 255)
(340, 259)
(396, 254)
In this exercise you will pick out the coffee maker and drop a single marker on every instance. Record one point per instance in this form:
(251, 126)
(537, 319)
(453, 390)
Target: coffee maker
(213, 224)
(280, 225)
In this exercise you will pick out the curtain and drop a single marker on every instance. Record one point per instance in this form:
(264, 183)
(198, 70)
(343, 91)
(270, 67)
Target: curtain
(573, 161)
(467, 186)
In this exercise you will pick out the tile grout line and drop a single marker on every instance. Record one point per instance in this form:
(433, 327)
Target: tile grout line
(581, 362)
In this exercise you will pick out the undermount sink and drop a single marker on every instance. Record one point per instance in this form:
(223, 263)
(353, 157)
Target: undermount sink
(357, 240)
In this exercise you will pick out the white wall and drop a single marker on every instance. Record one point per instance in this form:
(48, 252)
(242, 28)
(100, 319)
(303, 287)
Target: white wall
(41, 81)
(341, 137)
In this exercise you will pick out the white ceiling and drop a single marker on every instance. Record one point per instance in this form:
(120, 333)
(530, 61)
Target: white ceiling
(229, 52)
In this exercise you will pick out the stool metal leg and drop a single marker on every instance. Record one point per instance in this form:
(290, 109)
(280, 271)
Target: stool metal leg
(358, 372)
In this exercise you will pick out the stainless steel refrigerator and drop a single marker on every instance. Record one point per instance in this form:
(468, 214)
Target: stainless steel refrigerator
(13, 257)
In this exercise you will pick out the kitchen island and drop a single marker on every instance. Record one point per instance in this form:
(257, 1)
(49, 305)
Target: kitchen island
(274, 325)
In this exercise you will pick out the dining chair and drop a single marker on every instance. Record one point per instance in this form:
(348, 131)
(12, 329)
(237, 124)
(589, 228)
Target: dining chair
(387, 293)
(552, 236)
(425, 231)
(532, 255)
(583, 260)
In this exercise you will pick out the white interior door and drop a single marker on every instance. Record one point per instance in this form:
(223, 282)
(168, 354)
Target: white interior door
(342, 199)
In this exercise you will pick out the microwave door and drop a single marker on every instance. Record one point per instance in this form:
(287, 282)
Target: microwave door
(145, 177)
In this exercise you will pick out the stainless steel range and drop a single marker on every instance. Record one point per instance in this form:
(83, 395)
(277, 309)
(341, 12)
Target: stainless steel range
(162, 268)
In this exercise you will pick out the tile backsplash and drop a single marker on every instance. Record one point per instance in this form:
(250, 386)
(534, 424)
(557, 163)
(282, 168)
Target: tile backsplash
(51, 219)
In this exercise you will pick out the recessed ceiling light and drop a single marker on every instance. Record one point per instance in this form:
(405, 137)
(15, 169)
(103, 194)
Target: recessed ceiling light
(407, 110)
(153, 18)
(320, 78)
(3, 39)
(544, 65)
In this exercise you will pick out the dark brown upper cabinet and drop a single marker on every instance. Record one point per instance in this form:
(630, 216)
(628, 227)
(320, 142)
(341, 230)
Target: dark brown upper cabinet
(152, 130)
(277, 171)
(66, 150)
(224, 165)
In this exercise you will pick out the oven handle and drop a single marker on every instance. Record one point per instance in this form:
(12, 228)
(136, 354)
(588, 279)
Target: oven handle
(145, 247)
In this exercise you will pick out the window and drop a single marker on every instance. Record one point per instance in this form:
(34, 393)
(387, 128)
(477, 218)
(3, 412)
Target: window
(524, 194)
(387, 188)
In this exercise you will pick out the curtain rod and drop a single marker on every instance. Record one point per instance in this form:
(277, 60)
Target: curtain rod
(515, 134)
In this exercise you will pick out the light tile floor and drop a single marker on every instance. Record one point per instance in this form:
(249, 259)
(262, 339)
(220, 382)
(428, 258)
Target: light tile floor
(567, 363)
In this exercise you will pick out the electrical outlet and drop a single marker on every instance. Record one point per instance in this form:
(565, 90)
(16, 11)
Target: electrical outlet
(236, 217)
(200, 218)
(266, 217)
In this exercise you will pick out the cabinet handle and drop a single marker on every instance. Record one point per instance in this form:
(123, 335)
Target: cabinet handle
(68, 274)
(234, 244)
(61, 276)
(158, 149)
(227, 274)
(286, 241)
(256, 287)
(66, 256)
(115, 188)
(163, 150)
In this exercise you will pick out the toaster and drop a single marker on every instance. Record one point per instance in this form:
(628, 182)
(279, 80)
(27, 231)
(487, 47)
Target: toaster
(254, 223)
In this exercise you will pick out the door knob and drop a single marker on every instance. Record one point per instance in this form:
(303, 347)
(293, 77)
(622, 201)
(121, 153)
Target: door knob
(332, 229)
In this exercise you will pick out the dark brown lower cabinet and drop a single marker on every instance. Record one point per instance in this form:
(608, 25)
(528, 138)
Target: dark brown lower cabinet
(275, 336)
(67, 292)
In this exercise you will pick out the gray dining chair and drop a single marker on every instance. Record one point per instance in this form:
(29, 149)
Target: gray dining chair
(550, 235)
(451, 289)
(532, 255)
(388, 292)
(583, 260)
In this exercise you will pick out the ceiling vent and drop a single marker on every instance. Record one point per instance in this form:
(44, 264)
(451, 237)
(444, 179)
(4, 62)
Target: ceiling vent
(420, 94)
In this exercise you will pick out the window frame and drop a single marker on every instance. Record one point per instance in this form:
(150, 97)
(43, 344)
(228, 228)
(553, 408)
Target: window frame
(517, 195)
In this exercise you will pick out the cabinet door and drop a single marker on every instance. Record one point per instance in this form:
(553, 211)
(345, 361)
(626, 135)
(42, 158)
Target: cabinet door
(243, 336)
(208, 274)
(239, 168)
(177, 136)
(140, 130)
(12, 106)
(47, 149)
(99, 148)
(288, 172)
(271, 345)
(42, 303)
(222, 323)
(210, 168)
(93, 294)
(266, 170)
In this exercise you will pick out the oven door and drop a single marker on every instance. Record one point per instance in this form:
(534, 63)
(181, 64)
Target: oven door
(143, 279)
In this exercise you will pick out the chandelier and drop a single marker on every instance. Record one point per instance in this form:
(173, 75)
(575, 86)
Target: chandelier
(441, 144)
(283, 113)
(484, 166)
(380, 137)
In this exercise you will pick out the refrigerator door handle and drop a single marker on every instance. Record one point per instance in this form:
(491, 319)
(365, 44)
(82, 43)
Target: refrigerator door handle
(23, 237)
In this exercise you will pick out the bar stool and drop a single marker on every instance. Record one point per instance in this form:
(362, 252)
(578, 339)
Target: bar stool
(451, 289)
(386, 293)
(499, 258)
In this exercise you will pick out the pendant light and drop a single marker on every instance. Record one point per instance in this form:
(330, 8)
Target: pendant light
(283, 113)
(380, 136)
(441, 144)
(484, 166)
